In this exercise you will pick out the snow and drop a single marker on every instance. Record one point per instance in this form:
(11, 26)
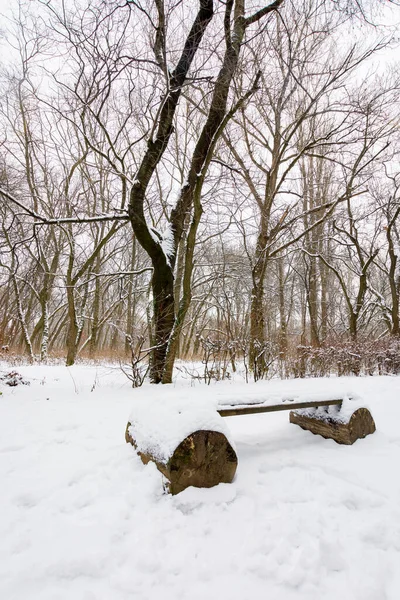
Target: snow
(351, 402)
(260, 393)
(165, 240)
(167, 243)
(159, 426)
(82, 518)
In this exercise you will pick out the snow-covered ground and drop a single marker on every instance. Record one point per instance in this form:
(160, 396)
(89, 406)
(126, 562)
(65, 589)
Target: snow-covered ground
(82, 519)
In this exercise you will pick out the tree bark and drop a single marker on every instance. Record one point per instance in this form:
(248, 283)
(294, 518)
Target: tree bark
(203, 459)
(359, 425)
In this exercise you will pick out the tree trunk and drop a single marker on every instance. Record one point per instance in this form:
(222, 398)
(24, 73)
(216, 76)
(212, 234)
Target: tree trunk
(324, 300)
(353, 322)
(257, 319)
(72, 332)
(257, 322)
(164, 316)
(186, 279)
(313, 302)
(394, 281)
(94, 333)
(131, 307)
(21, 318)
(283, 341)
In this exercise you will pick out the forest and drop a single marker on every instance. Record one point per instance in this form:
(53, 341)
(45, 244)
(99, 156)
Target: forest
(216, 181)
(203, 194)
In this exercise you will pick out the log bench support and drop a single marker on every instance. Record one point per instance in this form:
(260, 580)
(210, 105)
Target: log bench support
(323, 417)
(203, 459)
(359, 425)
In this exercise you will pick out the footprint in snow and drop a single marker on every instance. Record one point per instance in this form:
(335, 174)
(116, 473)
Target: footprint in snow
(26, 501)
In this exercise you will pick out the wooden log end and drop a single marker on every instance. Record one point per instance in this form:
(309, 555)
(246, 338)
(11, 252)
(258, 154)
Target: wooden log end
(358, 426)
(203, 459)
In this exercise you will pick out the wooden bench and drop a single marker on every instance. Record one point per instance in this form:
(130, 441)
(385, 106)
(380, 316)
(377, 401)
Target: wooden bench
(343, 427)
(205, 457)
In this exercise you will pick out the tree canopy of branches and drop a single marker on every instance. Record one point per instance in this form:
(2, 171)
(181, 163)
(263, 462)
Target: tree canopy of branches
(170, 169)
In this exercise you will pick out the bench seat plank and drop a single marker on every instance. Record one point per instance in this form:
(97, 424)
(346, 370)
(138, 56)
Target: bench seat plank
(232, 411)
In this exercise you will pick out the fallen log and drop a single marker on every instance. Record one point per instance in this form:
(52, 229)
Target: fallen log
(341, 427)
(202, 459)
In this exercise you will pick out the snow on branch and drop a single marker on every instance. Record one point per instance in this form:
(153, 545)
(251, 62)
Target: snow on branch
(122, 273)
(59, 221)
(165, 240)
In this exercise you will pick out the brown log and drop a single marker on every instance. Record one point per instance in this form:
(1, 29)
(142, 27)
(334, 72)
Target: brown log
(358, 426)
(203, 459)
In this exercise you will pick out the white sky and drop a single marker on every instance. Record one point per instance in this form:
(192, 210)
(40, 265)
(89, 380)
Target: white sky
(5, 5)
(5, 8)
(388, 15)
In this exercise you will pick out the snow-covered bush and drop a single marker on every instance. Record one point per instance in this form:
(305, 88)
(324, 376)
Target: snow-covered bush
(13, 378)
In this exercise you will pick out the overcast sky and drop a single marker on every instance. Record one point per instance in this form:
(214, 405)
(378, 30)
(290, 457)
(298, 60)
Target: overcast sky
(5, 5)
(390, 16)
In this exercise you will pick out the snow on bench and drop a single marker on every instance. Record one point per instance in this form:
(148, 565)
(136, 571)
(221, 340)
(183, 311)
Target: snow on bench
(185, 435)
(251, 409)
(186, 438)
(344, 419)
